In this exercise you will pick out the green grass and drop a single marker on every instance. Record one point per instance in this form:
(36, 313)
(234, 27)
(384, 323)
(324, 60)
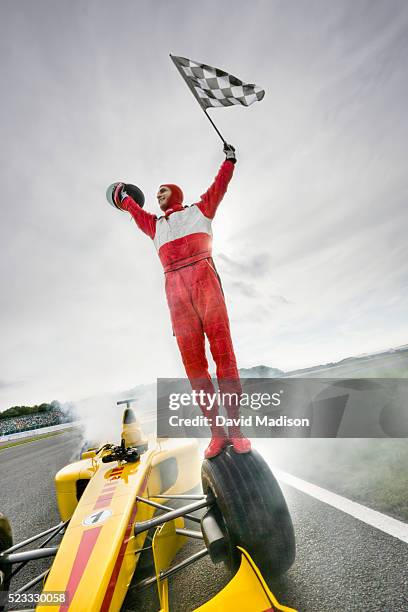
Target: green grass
(373, 472)
(32, 439)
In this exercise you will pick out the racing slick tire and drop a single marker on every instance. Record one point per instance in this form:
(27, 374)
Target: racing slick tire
(252, 511)
(6, 541)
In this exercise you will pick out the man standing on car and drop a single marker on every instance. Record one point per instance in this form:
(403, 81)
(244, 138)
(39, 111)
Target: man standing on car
(183, 239)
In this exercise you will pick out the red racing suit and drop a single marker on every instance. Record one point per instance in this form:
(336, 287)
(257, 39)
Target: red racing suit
(183, 239)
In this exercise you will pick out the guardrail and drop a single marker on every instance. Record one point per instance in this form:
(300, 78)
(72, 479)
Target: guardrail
(32, 433)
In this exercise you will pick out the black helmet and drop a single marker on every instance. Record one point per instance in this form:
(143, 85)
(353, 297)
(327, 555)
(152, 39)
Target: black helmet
(134, 192)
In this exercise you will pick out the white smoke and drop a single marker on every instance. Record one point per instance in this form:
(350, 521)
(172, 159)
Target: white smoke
(101, 417)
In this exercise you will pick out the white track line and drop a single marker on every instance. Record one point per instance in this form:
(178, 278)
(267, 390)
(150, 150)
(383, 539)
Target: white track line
(385, 523)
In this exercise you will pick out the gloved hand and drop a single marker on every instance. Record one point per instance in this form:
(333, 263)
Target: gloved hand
(119, 195)
(229, 153)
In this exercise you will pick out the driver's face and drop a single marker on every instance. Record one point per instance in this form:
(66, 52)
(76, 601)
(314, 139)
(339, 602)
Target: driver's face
(163, 197)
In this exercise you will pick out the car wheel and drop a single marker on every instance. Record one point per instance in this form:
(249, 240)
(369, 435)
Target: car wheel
(251, 510)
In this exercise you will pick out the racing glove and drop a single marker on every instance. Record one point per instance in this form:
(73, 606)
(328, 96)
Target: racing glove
(119, 195)
(229, 153)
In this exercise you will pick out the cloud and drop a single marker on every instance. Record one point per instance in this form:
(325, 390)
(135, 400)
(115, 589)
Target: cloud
(243, 289)
(253, 266)
(278, 300)
(311, 235)
(10, 384)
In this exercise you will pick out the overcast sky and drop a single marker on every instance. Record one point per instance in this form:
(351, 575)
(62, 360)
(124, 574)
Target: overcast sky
(310, 240)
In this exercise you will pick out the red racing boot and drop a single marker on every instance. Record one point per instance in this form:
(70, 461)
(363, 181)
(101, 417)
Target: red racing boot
(219, 441)
(239, 442)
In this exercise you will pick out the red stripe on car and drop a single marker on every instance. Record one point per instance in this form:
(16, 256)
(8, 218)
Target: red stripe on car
(101, 502)
(85, 548)
(106, 496)
(115, 572)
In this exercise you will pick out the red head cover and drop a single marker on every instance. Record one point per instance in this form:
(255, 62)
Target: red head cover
(176, 197)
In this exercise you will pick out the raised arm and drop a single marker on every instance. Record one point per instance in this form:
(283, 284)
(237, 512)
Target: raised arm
(210, 200)
(145, 221)
(130, 198)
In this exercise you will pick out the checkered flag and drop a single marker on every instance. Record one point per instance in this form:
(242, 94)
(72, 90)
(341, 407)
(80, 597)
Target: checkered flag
(213, 87)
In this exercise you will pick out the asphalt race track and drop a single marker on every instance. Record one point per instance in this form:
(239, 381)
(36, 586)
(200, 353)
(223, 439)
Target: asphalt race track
(342, 564)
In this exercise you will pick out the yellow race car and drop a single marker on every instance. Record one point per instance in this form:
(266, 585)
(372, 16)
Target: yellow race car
(127, 506)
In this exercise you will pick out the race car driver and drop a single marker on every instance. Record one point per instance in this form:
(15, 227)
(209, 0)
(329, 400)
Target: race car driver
(183, 239)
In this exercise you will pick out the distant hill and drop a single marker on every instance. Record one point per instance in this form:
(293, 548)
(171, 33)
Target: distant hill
(261, 371)
(392, 363)
(387, 364)
(382, 364)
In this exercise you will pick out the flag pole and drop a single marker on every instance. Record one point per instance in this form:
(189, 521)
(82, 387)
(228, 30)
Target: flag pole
(215, 127)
